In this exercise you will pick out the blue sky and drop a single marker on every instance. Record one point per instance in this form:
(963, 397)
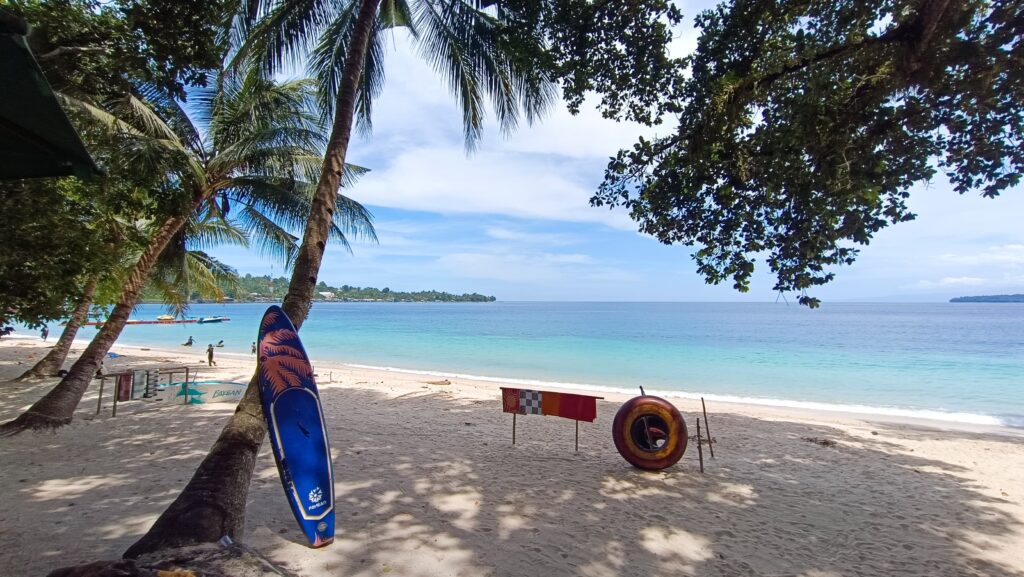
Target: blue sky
(513, 219)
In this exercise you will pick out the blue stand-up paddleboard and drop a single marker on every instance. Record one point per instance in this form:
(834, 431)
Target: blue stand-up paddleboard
(295, 419)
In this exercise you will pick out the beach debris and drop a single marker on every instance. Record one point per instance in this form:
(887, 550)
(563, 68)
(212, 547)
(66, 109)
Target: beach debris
(441, 382)
(822, 442)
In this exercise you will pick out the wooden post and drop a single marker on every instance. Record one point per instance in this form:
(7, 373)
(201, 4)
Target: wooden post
(117, 391)
(577, 435)
(99, 399)
(187, 384)
(707, 428)
(700, 451)
(513, 428)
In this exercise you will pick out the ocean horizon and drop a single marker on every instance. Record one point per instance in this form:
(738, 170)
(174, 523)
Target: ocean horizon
(954, 362)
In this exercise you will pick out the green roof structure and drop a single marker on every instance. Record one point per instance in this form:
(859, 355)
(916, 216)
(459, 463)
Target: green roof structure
(36, 137)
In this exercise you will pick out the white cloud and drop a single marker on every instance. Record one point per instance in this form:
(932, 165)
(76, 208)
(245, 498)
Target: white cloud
(531, 268)
(969, 281)
(443, 180)
(523, 236)
(1007, 254)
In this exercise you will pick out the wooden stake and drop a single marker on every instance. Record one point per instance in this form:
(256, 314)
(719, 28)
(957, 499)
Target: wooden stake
(99, 399)
(577, 435)
(513, 428)
(707, 428)
(700, 452)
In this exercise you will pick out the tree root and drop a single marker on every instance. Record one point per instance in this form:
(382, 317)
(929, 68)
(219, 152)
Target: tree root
(32, 421)
(206, 523)
(211, 560)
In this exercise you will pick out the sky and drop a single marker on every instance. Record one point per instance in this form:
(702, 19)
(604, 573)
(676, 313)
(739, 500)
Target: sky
(513, 218)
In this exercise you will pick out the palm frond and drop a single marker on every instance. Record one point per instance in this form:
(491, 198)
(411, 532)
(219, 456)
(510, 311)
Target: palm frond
(280, 37)
(327, 63)
(463, 43)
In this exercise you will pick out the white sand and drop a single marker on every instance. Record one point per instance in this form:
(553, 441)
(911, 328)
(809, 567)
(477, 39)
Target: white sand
(429, 484)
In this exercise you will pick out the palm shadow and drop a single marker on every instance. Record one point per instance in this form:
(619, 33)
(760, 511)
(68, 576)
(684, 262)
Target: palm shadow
(429, 484)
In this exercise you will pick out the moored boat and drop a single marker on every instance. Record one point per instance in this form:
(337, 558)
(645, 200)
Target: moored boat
(205, 320)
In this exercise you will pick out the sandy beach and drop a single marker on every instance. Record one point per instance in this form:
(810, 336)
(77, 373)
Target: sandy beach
(428, 483)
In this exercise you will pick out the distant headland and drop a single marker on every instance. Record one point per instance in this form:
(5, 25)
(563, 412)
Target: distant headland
(990, 299)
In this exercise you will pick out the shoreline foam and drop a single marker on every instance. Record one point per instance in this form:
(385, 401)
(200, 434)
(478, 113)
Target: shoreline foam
(861, 410)
(955, 420)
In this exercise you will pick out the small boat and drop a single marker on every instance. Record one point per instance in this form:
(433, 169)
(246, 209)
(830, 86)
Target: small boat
(165, 318)
(204, 320)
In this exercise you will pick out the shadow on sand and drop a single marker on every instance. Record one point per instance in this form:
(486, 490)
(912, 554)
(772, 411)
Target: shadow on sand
(446, 493)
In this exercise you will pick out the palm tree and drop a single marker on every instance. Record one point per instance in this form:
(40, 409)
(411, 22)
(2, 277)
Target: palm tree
(247, 138)
(53, 360)
(462, 42)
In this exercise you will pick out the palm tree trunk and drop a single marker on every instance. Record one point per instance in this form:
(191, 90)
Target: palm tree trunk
(54, 360)
(212, 505)
(57, 408)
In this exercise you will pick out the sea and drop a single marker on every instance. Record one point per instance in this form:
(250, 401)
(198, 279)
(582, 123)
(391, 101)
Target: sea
(958, 362)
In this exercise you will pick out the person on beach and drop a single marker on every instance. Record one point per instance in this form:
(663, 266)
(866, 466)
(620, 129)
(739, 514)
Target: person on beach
(46, 332)
(253, 348)
(209, 355)
(188, 343)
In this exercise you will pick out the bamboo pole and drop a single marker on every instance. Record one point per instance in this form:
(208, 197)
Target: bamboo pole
(707, 428)
(700, 451)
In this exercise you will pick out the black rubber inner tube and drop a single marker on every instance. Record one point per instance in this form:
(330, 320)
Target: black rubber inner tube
(648, 433)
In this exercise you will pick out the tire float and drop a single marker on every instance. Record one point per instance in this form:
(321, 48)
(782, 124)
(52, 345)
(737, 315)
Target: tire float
(649, 433)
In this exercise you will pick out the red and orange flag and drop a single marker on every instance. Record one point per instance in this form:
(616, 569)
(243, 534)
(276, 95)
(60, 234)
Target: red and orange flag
(565, 405)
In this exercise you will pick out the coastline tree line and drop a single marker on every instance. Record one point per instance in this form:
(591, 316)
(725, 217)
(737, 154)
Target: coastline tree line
(251, 288)
(795, 132)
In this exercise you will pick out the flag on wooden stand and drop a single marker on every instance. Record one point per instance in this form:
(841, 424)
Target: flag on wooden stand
(565, 405)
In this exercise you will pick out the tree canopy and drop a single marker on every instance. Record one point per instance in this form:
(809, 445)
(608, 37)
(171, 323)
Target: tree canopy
(803, 125)
(89, 47)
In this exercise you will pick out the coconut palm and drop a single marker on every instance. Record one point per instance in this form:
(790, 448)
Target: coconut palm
(344, 42)
(246, 138)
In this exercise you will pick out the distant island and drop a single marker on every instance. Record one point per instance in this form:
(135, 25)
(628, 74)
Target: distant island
(257, 289)
(990, 299)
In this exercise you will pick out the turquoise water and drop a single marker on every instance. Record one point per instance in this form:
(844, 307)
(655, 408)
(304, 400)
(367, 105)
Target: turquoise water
(960, 362)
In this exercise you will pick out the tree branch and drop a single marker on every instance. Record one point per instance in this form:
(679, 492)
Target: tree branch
(70, 50)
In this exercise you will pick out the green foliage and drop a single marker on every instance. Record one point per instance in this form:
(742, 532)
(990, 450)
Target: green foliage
(804, 124)
(476, 53)
(88, 47)
(51, 245)
(615, 48)
(265, 287)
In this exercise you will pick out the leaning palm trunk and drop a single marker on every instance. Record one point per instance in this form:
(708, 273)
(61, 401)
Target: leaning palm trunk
(57, 408)
(54, 360)
(212, 505)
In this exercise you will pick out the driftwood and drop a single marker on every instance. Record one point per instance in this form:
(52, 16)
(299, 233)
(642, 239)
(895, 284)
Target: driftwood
(822, 442)
(208, 560)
